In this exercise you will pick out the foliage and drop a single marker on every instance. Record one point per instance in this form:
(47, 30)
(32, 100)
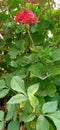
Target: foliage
(30, 67)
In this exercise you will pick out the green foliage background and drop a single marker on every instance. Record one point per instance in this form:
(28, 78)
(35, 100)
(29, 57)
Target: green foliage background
(30, 74)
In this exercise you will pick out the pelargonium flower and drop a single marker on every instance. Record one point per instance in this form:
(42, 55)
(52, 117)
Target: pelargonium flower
(32, 1)
(28, 0)
(26, 17)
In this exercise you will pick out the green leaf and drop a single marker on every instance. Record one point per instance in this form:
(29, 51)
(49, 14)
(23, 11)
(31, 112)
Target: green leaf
(21, 45)
(13, 52)
(27, 107)
(29, 128)
(57, 123)
(13, 125)
(11, 24)
(9, 116)
(57, 97)
(13, 4)
(4, 92)
(55, 120)
(1, 43)
(13, 63)
(57, 114)
(51, 127)
(56, 54)
(12, 111)
(17, 84)
(27, 118)
(2, 84)
(11, 107)
(1, 115)
(33, 89)
(19, 29)
(42, 123)
(3, 16)
(1, 125)
(38, 70)
(8, 82)
(53, 70)
(33, 100)
(48, 87)
(33, 28)
(17, 99)
(49, 107)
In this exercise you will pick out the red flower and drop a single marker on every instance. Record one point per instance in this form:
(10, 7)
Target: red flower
(32, 1)
(27, 0)
(26, 17)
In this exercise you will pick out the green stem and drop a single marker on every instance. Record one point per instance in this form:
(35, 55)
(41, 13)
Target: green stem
(30, 37)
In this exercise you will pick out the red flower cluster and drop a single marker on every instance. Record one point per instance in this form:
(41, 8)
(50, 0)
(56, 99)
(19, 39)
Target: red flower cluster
(33, 1)
(26, 17)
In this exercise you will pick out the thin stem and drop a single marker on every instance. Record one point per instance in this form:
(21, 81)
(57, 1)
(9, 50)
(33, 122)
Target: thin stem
(30, 36)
